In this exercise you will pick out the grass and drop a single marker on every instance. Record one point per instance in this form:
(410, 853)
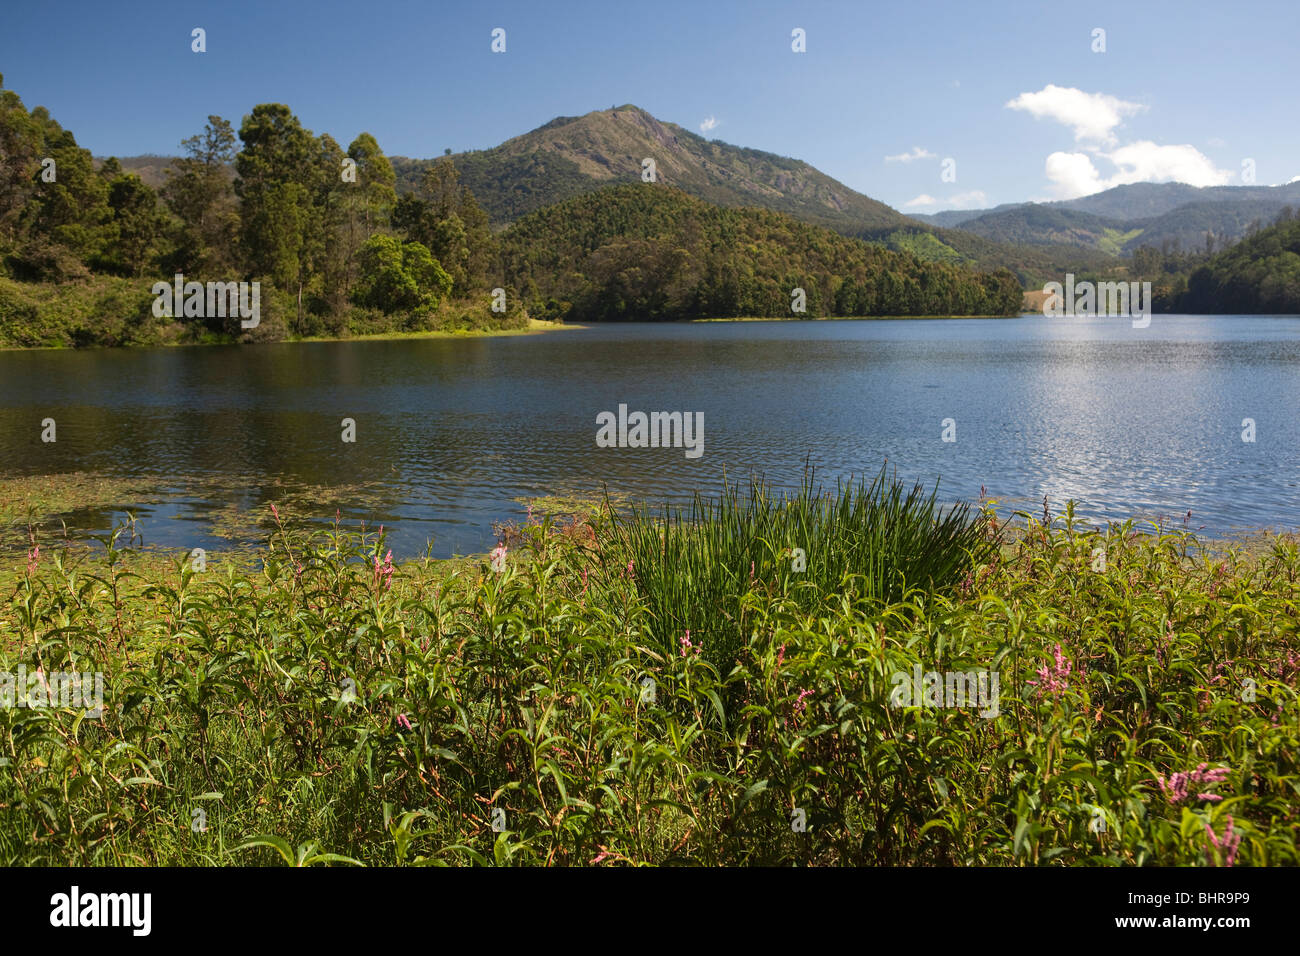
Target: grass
(109, 311)
(304, 704)
(872, 542)
(531, 327)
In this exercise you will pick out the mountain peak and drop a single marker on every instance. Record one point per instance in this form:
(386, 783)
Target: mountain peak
(575, 154)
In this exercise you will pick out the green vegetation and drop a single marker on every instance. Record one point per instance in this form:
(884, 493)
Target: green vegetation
(318, 704)
(1259, 274)
(923, 245)
(650, 251)
(690, 567)
(334, 250)
(399, 275)
(1113, 240)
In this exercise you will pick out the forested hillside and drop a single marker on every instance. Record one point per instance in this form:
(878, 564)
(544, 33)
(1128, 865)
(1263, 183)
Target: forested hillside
(651, 251)
(1260, 274)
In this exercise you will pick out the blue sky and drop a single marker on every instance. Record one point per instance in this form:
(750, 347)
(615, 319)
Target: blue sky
(1185, 90)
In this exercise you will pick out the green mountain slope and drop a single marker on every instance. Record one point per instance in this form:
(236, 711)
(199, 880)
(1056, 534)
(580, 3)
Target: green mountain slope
(1189, 225)
(1147, 200)
(651, 251)
(1034, 224)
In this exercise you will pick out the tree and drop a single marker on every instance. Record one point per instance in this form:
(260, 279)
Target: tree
(138, 224)
(445, 217)
(20, 155)
(366, 205)
(278, 174)
(66, 220)
(398, 275)
(199, 191)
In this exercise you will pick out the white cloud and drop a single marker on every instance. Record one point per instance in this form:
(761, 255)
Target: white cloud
(708, 124)
(1092, 116)
(1294, 179)
(917, 152)
(1074, 174)
(1215, 141)
(974, 199)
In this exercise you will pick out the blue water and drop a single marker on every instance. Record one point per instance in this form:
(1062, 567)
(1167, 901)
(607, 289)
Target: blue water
(1128, 422)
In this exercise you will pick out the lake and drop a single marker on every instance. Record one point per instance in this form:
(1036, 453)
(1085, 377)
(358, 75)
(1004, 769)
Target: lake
(450, 433)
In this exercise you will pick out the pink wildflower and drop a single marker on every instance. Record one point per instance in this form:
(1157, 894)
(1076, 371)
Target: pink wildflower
(384, 571)
(33, 558)
(1053, 680)
(498, 557)
(403, 722)
(1229, 843)
(686, 643)
(1180, 785)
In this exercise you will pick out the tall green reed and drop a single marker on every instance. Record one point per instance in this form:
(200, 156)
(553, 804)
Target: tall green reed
(875, 542)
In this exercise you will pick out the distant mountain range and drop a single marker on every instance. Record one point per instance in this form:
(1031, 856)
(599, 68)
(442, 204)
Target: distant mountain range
(1120, 220)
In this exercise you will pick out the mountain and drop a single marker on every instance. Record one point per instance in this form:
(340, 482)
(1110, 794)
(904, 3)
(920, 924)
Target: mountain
(950, 218)
(1125, 218)
(1148, 200)
(571, 156)
(651, 251)
(575, 154)
(1134, 201)
(148, 167)
(1189, 225)
(1035, 224)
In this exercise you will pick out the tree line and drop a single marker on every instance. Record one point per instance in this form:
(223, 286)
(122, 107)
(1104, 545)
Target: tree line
(322, 228)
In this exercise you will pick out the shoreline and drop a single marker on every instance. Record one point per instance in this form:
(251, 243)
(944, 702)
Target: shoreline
(534, 327)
